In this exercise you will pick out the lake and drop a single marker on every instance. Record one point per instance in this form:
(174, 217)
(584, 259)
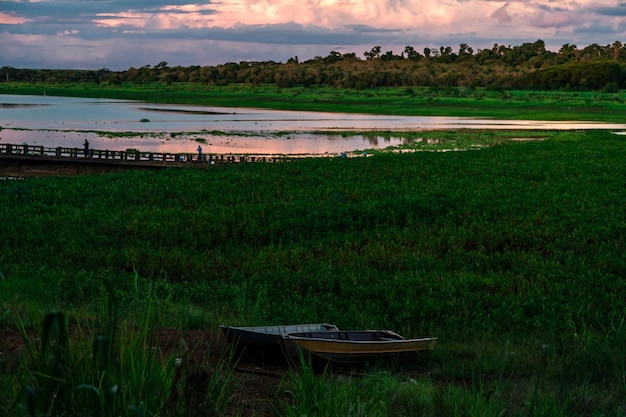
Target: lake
(68, 122)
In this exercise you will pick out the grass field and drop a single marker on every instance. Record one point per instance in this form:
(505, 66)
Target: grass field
(512, 255)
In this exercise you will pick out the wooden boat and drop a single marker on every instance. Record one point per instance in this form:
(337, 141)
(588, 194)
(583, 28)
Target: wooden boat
(269, 337)
(351, 346)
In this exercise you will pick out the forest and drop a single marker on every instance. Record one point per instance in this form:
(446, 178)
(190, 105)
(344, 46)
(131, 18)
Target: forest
(528, 66)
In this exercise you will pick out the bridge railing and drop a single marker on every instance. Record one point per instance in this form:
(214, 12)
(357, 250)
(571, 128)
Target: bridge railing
(63, 152)
(133, 155)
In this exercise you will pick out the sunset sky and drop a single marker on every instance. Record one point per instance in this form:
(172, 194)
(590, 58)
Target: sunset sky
(119, 34)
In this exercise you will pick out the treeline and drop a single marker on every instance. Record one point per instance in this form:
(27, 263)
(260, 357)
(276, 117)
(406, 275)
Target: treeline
(527, 66)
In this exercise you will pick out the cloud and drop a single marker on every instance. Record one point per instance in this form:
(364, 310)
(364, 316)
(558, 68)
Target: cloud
(502, 15)
(616, 11)
(118, 34)
(596, 29)
(11, 19)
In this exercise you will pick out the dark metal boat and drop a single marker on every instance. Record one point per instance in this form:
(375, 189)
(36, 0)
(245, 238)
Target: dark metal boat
(269, 337)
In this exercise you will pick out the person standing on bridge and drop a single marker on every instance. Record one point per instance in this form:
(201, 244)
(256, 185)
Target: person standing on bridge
(199, 153)
(86, 145)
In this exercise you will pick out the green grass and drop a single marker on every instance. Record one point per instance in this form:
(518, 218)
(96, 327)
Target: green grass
(510, 221)
(308, 393)
(511, 255)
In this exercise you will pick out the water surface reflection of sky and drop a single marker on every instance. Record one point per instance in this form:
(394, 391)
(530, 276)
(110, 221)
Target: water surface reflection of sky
(68, 122)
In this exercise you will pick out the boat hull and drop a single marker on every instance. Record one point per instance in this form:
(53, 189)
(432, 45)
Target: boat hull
(268, 337)
(351, 347)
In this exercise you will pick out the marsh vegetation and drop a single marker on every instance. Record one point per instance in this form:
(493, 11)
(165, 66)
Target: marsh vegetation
(511, 255)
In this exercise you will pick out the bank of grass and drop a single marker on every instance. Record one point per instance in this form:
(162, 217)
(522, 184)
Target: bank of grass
(511, 255)
(424, 101)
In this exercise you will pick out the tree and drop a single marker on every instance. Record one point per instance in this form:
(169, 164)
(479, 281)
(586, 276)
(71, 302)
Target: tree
(374, 53)
(567, 53)
(332, 57)
(617, 49)
(465, 51)
(7, 72)
(484, 55)
(411, 53)
(389, 56)
(446, 54)
(593, 51)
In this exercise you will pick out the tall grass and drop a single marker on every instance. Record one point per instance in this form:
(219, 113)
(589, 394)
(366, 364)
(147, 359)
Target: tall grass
(109, 370)
(482, 393)
(308, 394)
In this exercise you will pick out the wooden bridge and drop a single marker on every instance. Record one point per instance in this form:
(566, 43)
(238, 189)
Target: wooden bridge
(29, 160)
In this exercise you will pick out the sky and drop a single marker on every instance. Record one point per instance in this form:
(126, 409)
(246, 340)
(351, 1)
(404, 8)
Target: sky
(120, 34)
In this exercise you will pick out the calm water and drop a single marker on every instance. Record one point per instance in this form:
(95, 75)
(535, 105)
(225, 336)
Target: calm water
(67, 122)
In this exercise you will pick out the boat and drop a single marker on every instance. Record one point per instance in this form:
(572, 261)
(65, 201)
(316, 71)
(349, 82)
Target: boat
(350, 346)
(268, 338)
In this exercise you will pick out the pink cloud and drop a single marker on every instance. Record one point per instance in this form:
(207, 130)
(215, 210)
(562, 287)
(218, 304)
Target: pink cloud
(502, 15)
(7, 19)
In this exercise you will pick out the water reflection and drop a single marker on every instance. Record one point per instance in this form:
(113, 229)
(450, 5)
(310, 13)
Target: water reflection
(67, 122)
(300, 143)
(18, 105)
